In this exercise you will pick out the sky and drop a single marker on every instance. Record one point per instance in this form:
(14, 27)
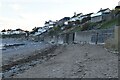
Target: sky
(27, 14)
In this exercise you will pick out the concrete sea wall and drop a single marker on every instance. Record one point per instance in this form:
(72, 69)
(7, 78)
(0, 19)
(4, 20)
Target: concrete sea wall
(92, 36)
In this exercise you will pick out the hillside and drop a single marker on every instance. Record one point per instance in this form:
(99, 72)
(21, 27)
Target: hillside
(108, 24)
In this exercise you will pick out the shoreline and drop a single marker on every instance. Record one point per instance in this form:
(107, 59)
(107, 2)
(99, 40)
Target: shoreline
(31, 60)
(36, 55)
(16, 50)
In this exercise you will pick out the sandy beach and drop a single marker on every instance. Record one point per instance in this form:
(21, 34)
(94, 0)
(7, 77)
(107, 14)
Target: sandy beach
(76, 61)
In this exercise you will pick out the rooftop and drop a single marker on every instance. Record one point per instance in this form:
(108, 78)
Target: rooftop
(102, 10)
(96, 14)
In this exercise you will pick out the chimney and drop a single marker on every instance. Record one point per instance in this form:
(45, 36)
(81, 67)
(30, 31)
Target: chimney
(75, 14)
(100, 8)
(119, 3)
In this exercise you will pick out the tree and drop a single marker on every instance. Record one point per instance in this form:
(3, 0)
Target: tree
(18, 29)
(77, 22)
(3, 30)
(9, 30)
(51, 32)
(34, 30)
(86, 26)
(85, 19)
(46, 22)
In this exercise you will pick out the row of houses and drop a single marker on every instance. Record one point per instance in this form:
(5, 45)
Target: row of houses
(39, 30)
(76, 19)
(102, 15)
(10, 32)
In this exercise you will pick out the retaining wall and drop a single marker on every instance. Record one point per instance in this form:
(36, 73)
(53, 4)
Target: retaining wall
(93, 36)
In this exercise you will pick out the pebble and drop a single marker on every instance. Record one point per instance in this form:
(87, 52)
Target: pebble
(74, 72)
(1, 74)
(48, 75)
(105, 73)
(80, 70)
(8, 74)
(53, 70)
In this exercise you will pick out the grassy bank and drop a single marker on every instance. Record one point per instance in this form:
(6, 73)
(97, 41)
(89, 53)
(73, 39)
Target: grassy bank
(108, 24)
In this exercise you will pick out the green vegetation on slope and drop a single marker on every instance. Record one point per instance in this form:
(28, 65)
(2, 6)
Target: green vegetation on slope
(108, 24)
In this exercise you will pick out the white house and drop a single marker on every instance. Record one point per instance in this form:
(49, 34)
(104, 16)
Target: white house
(50, 23)
(97, 17)
(9, 32)
(40, 30)
(76, 17)
(3, 33)
(17, 32)
(101, 15)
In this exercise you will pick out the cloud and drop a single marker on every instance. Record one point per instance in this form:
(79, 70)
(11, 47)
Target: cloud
(16, 7)
(0, 4)
(27, 22)
(27, 14)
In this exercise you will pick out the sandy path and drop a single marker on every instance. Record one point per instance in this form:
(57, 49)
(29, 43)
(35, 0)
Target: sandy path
(76, 61)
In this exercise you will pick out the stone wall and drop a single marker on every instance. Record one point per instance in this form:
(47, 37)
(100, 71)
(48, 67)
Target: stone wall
(93, 36)
(83, 37)
(59, 39)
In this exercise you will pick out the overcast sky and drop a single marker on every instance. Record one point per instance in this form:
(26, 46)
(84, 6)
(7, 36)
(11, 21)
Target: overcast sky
(26, 14)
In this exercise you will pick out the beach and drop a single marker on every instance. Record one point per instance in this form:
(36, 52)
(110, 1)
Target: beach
(76, 61)
(17, 51)
(13, 53)
(30, 59)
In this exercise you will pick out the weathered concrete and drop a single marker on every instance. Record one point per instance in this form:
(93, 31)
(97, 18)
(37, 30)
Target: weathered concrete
(83, 37)
(93, 36)
(0, 58)
(61, 39)
(117, 37)
(69, 38)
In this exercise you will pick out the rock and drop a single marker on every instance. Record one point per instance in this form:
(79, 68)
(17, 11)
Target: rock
(1, 75)
(80, 70)
(8, 74)
(105, 74)
(53, 70)
(74, 72)
(48, 75)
